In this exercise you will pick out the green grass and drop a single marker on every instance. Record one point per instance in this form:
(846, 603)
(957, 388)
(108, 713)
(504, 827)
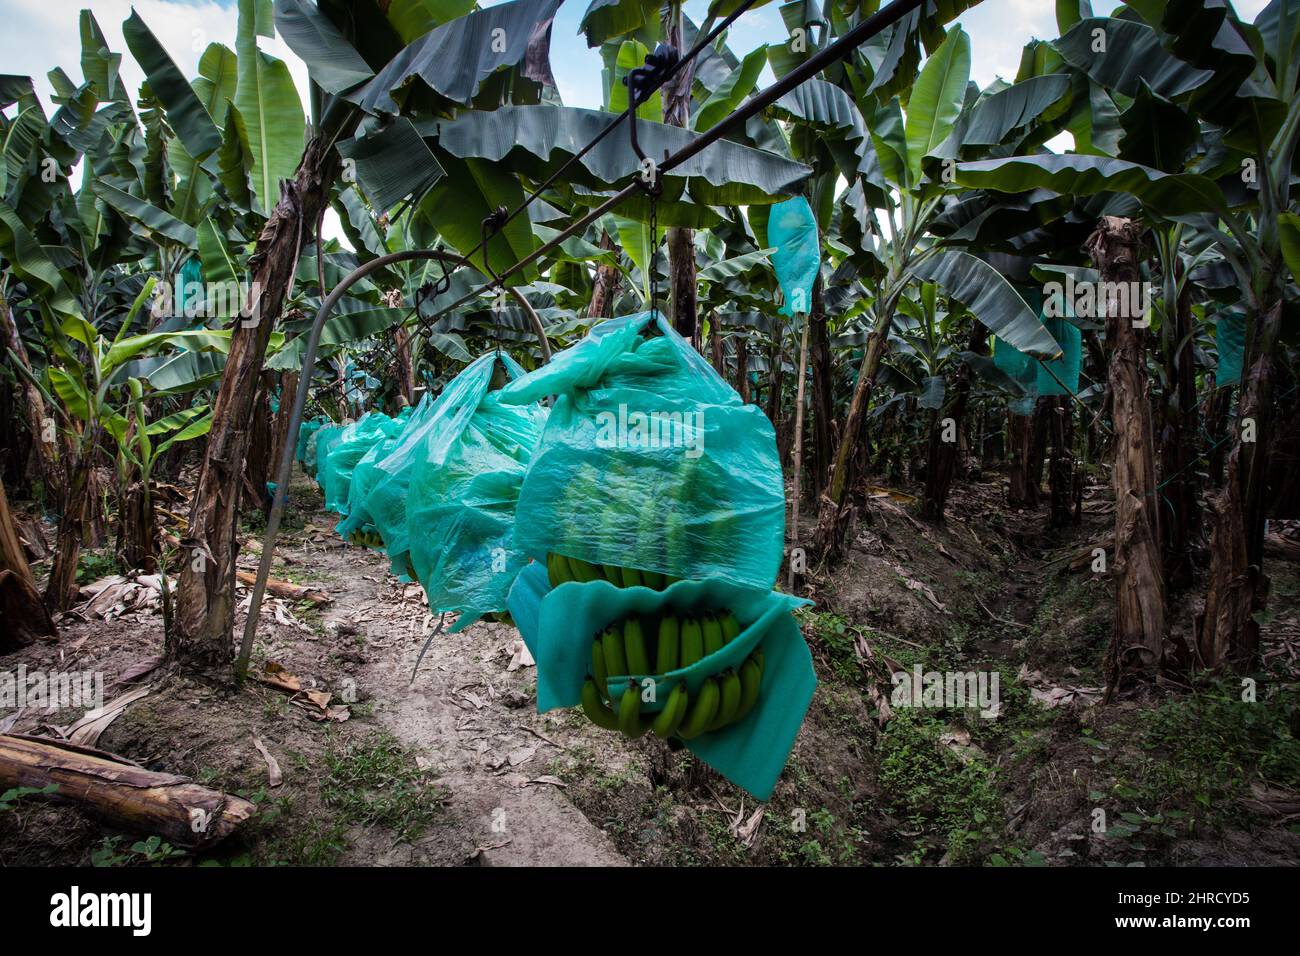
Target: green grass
(1200, 753)
(93, 565)
(954, 806)
(375, 782)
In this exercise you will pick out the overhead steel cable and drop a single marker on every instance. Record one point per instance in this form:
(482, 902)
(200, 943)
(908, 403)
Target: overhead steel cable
(502, 217)
(667, 74)
(805, 71)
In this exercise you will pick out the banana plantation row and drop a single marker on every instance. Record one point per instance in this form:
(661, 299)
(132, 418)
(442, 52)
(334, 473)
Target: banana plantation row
(972, 309)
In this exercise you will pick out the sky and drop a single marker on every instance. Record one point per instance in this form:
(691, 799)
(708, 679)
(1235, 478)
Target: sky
(36, 35)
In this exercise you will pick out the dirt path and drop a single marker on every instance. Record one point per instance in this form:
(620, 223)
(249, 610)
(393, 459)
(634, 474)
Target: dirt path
(473, 716)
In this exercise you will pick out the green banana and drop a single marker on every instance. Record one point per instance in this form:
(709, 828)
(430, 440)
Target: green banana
(629, 712)
(730, 703)
(703, 710)
(613, 574)
(632, 578)
(667, 720)
(595, 708)
(692, 642)
(598, 671)
(615, 656)
(730, 627)
(653, 580)
(638, 661)
(712, 631)
(557, 570)
(669, 644)
(584, 571)
(751, 678)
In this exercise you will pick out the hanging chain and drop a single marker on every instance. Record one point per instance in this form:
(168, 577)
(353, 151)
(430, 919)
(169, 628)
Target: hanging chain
(654, 253)
(491, 225)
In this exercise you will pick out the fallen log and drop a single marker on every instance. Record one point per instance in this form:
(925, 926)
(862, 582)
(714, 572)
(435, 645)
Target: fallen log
(286, 589)
(1282, 547)
(122, 793)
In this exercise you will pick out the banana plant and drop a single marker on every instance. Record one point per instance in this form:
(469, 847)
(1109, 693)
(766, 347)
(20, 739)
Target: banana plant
(913, 148)
(1238, 82)
(138, 451)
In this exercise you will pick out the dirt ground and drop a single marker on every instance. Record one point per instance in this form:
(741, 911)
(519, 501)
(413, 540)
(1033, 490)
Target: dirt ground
(457, 767)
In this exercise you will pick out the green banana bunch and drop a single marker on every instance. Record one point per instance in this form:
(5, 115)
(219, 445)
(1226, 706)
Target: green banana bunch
(595, 709)
(627, 649)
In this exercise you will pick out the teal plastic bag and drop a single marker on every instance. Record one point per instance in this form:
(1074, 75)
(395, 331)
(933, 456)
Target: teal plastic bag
(365, 474)
(305, 433)
(650, 460)
(385, 502)
(319, 447)
(1230, 336)
(792, 230)
(558, 624)
(460, 509)
(357, 438)
(1041, 378)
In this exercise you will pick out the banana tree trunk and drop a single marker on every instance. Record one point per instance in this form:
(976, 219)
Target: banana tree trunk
(680, 242)
(796, 497)
(605, 288)
(1061, 483)
(1022, 491)
(257, 461)
(1284, 471)
(742, 367)
(1138, 632)
(941, 460)
(200, 638)
(775, 374)
(39, 423)
(833, 513)
(1181, 514)
(403, 366)
(284, 443)
(1228, 628)
(61, 589)
(1216, 424)
(823, 392)
(135, 541)
(22, 615)
(719, 358)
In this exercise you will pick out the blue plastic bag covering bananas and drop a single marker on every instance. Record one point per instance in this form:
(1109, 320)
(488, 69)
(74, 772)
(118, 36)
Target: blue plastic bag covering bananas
(650, 461)
(792, 231)
(558, 625)
(305, 432)
(460, 507)
(385, 501)
(364, 475)
(319, 447)
(336, 470)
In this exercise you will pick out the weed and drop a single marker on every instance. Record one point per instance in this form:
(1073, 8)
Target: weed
(376, 782)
